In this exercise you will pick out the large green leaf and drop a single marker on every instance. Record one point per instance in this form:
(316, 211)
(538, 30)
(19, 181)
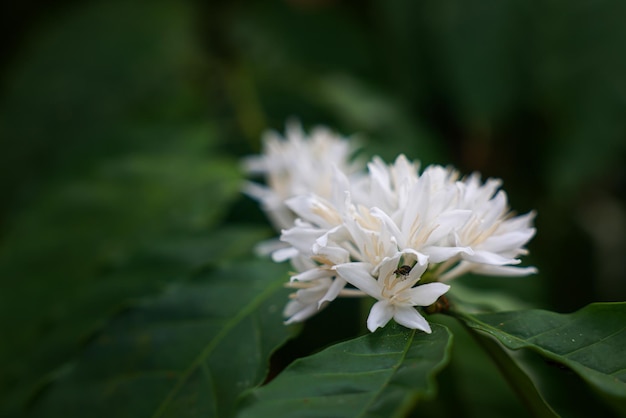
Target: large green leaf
(189, 352)
(460, 395)
(61, 257)
(590, 341)
(380, 374)
(519, 381)
(107, 154)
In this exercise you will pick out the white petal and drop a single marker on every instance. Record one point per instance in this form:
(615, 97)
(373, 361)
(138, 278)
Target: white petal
(302, 237)
(387, 266)
(280, 216)
(332, 254)
(313, 274)
(440, 254)
(422, 259)
(409, 317)
(303, 263)
(426, 294)
(314, 209)
(508, 241)
(256, 191)
(267, 247)
(333, 291)
(284, 254)
(459, 270)
(379, 315)
(341, 185)
(420, 266)
(448, 222)
(486, 257)
(503, 270)
(390, 225)
(358, 275)
(298, 312)
(520, 222)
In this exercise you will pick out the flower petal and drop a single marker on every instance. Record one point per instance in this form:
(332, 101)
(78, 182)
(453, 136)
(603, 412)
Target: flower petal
(358, 275)
(387, 267)
(313, 274)
(508, 241)
(503, 270)
(440, 254)
(284, 254)
(426, 294)
(298, 312)
(409, 317)
(331, 255)
(333, 291)
(487, 257)
(379, 315)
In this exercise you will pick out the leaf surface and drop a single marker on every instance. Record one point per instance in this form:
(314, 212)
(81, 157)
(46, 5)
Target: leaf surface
(590, 341)
(380, 374)
(187, 353)
(107, 158)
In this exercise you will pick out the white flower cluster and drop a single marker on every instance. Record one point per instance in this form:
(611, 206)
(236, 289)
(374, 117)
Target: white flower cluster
(388, 232)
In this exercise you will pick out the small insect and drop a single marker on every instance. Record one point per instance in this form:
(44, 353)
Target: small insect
(403, 270)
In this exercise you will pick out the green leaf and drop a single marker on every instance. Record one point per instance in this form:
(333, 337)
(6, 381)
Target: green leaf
(68, 245)
(106, 151)
(590, 341)
(483, 300)
(460, 395)
(189, 352)
(380, 374)
(517, 378)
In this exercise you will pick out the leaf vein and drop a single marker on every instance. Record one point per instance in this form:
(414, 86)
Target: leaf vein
(255, 303)
(394, 369)
(594, 343)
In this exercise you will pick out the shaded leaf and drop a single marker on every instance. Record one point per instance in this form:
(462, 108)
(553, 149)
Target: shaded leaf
(560, 387)
(106, 151)
(189, 352)
(590, 341)
(471, 384)
(483, 300)
(517, 378)
(380, 374)
(59, 255)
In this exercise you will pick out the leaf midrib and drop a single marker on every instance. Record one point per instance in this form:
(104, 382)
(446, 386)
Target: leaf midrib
(228, 326)
(394, 370)
(581, 368)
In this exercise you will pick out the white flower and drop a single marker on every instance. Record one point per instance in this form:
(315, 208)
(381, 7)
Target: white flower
(385, 185)
(496, 238)
(306, 302)
(351, 233)
(316, 287)
(427, 215)
(297, 165)
(396, 292)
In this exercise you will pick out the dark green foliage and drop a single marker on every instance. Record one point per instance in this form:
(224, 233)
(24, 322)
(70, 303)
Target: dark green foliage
(121, 127)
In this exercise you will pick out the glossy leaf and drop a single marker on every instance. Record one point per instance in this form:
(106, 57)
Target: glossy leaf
(590, 341)
(380, 374)
(189, 352)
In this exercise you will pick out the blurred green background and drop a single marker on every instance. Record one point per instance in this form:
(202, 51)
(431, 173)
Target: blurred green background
(122, 122)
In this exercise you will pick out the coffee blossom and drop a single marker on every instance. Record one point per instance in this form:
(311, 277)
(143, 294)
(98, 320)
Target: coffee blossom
(384, 232)
(297, 164)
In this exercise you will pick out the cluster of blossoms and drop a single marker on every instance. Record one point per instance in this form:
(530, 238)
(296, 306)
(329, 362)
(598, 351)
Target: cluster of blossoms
(380, 230)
